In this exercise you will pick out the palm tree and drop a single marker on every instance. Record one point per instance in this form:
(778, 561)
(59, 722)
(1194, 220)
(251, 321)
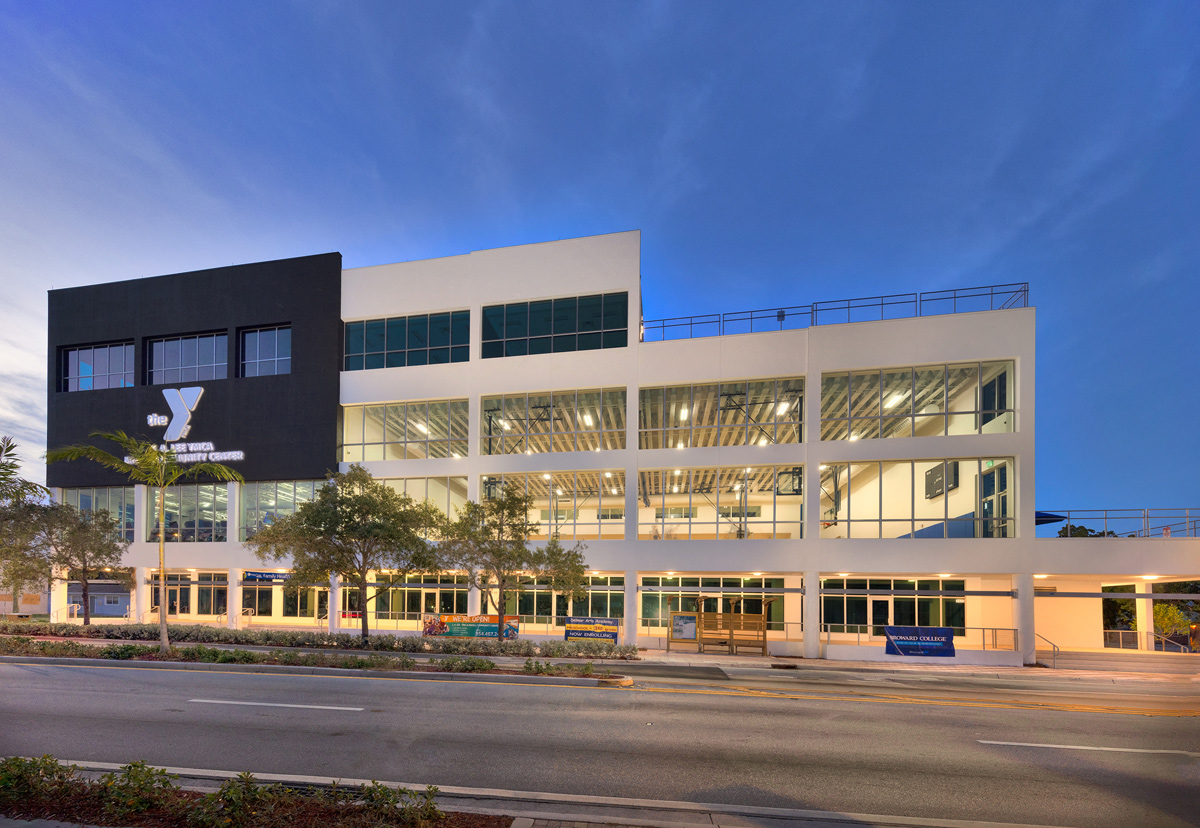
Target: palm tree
(144, 462)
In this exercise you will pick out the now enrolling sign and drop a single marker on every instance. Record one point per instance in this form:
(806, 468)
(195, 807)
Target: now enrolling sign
(591, 629)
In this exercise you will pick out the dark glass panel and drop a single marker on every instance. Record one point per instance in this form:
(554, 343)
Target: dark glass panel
(541, 345)
(187, 352)
(204, 372)
(419, 356)
(439, 330)
(395, 359)
(418, 333)
(206, 351)
(354, 362)
(283, 366)
(590, 314)
(460, 328)
(220, 370)
(373, 361)
(158, 355)
(222, 341)
(354, 338)
(171, 375)
(615, 339)
(266, 344)
(376, 336)
(541, 318)
(170, 354)
(564, 317)
(439, 356)
(516, 347)
(589, 341)
(460, 353)
(616, 310)
(491, 350)
(516, 320)
(250, 369)
(250, 346)
(564, 343)
(283, 343)
(397, 334)
(129, 360)
(493, 323)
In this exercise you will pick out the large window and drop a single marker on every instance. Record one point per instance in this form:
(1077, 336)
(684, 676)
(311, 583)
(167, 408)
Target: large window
(263, 503)
(927, 401)
(423, 339)
(965, 498)
(576, 323)
(687, 594)
(740, 502)
(399, 431)
(116, 500)
(756, 413)
(868, 614)
(569, 505)
(407, 598)
(193, 512)
(267, 351)
(540, 605)
(589, 420)
(211, 593)
(448, 494)
(187, 359)
(95, 367)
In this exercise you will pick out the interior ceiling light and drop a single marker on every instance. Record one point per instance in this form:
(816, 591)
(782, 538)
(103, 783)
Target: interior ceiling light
(587, 419)
(782, 408)
(675, 489)
(823, 467)
(763, 441)
(614, 491)
(421, 428)
(1151, 577)
(456, 455)
(945, 575)
(608, 474)
(559, 492)
(895, 400)
(756, 574)
(679, 445)
(545, 477)
(1039, 577)
(853, 437)
(683, 413)
(677, 471)
(843, 574)
(504, 424)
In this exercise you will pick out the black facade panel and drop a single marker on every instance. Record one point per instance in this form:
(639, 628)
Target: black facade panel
(285, 424)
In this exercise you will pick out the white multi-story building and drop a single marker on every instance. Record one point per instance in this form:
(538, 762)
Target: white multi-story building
(842, 467)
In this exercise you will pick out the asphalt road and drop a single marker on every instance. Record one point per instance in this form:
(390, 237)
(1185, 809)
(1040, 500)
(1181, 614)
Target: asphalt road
(809, 743)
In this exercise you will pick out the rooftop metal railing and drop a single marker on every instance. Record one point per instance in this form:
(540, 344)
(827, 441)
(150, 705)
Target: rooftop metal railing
(839, 311)
(1122, 523)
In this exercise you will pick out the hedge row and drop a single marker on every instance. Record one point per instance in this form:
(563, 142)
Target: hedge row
(201, 634)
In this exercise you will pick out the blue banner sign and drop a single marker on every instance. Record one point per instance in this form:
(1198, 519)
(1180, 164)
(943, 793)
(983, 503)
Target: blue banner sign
(264, 576)
(591, 629)
(920, 641)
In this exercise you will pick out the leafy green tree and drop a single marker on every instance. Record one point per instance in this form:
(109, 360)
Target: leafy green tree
(1170, 619)
(83, 545)
(354, 525)
(144, 462)
(1072, 531)
(23, 564)
(490, 541)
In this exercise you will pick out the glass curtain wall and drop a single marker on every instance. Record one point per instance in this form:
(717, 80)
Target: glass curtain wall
(863, 613)
(573, 420)
(925, 401)
(538, 604)
(116, 500)
(404, 430)
(738, 502)
(757, 412)
(408, 597)
(446, 493)
(686, 594)
(965, 498)
(263, 502)
(570, 505)
(193, 513)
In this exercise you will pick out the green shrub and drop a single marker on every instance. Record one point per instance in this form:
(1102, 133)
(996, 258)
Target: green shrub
(135, 789)
(123, 652)
(25, 779)
(456, 664)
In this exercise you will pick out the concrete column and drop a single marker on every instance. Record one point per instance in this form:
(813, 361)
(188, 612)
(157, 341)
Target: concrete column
(793, 618)
(335, 602)
(141, 593)
(58, 598)
(143, 509)
(632, 607)
(233, 514)
(1024, 618)
(1144, 607)
(473, 601)
(812, 615)
(233, 598)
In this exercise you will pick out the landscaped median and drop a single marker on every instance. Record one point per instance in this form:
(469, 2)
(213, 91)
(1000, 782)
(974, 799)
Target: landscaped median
(140, 795)
(26, 649)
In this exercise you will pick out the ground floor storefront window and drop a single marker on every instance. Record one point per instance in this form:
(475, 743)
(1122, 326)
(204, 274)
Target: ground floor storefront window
(868, 614)
(687, 594)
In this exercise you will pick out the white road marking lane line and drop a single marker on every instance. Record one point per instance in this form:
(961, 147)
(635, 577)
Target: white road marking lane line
(274, 704)
(1192, 754)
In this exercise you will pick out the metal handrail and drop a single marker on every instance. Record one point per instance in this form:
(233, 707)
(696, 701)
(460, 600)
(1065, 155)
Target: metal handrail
(1131, 523)
(1054, 652)
(862, 309)
(1151, 636)
(72, 611)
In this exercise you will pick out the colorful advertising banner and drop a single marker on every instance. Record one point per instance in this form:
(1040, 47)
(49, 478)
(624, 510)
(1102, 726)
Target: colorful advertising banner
(920, 641)
(468, 626)
(591, 629)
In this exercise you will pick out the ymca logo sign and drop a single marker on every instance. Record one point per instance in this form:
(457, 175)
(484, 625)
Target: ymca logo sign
(182, 402)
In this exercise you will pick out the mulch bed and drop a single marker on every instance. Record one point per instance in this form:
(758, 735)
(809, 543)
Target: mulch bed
(298, 813)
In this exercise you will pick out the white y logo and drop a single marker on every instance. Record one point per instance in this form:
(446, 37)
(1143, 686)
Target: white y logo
(182, 402)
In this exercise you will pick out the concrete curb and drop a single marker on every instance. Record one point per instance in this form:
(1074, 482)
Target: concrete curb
(342, 672)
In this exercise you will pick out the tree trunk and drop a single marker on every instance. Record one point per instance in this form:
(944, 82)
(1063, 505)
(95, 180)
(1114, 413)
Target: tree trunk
(87, 605)
(362, 608)
(164, 643)
(16, 595)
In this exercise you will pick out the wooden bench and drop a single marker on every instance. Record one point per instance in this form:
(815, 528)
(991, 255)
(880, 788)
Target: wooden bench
(731, 631)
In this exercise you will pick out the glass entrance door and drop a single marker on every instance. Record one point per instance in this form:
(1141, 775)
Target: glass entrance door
(880, 616)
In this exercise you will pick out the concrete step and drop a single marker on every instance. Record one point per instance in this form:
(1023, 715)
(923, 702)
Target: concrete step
(1124, 661)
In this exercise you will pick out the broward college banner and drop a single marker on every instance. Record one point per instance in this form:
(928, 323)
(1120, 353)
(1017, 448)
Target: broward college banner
(920, 641)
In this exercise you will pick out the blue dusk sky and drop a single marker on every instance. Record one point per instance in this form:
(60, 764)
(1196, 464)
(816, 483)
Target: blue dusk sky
(771, 153)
